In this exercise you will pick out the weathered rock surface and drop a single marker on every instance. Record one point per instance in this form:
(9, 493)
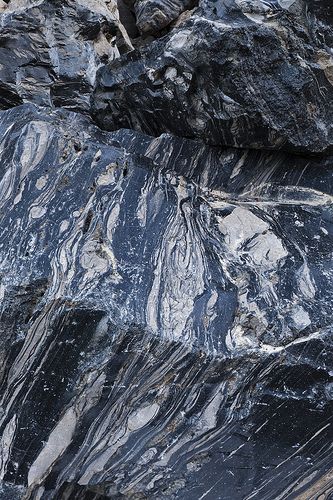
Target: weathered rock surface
(154, 15)
(165, 313)
(165, 298)
(50, 50)
(244, 74)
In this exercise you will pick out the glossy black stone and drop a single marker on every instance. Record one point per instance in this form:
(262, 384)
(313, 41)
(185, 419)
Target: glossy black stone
(165, 298)
(50, 51)
(134, 306)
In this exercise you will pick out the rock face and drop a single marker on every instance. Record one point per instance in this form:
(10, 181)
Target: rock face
(166, 304)
(154, 15)
(50, 50)
(147, 284)
(245, 75)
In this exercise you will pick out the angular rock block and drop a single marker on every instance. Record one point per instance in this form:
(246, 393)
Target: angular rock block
(154, 15)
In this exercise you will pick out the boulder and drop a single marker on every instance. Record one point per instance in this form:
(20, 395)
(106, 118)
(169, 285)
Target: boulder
(229, 75)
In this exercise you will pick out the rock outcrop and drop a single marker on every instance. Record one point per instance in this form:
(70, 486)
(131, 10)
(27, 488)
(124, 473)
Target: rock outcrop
(252, 75)
(139, 276)
(165, 256)
(50, 50)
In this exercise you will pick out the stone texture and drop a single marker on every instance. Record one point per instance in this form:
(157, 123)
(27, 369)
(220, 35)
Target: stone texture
(166, 308)
(50, 50)
(245, 77)
(154, 15)
(165, 298)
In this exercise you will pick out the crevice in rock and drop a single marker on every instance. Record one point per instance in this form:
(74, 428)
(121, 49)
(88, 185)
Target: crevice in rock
(127, 18)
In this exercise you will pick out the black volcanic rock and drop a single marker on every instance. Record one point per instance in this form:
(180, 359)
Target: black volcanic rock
(50, 51)
(166, 309)
(165, 298)
(154, 15)
(257, 78)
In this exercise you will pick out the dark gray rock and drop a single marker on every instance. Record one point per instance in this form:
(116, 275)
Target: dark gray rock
(154, 15)
(229, 75)
(166, 315)
(127, 17)
(165, 304)
(50, 51)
